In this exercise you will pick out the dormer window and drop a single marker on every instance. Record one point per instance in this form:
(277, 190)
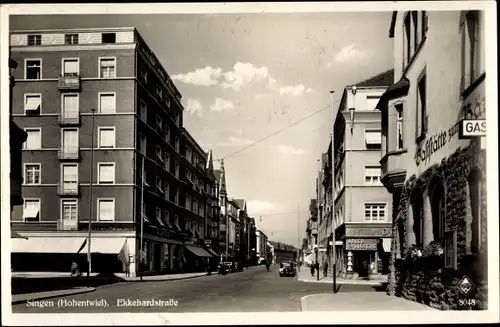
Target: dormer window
(34, 40)
(108, 38)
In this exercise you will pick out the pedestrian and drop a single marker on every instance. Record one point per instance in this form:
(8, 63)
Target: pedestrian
(75, 271)
(325, 269)
(312, 269)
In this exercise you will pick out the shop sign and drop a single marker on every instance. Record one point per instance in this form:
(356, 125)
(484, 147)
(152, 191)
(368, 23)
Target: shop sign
(368, 231)
(208, 242)
(361, 244)
(472, 128)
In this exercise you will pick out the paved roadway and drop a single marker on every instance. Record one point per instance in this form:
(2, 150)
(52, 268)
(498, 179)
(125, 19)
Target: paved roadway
(253, 290)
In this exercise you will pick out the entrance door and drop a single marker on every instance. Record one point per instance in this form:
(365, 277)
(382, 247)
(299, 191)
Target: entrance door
(363, 263)
(158, 260)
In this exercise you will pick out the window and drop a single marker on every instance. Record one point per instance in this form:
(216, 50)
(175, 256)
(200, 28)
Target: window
(159, 184)
(371, 102)
(142, 144)
(32, 174)
(475, 185)
(415, 30)
(176, 197)
(424, 22)
(188, 154)
(70, 67)
(421, 122)
(159, 92)
(107, 103)
(195, 180)
(167, 102)
(417, 207)
(34, 140)
(438, 208)
(176, 220)
(69, 210)
(106, 173)
(31, 210)
(144, 75)
(159, 153)
(471, 47)
(144, 111)
(108, 38)
(71, 39)
(399, 127)
(34, 40)
(176, 144)
(188, 202)
(166, 218)
(188, 174)
(177, 169)
(70, 140)
(167, 190)
(32, 104)
(167, 134)
(195, 206)
(167, 162)
(106, 209)
(407, 40)
(178, 120)
(195, 160)
(373, 139)
(70, 105)
(159, 124)
(375, 212)
(158, 214)
(372, 175)
(107, 137)
(69, 177)
(34, 69)
(107, 67)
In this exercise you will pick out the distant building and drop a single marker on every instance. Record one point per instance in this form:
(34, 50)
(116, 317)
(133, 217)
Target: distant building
(362, 206)
(261, 248)
(437, 179)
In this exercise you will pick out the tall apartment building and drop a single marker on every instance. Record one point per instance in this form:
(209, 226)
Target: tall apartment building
(362, 205)
(436, 176)
(63, 76)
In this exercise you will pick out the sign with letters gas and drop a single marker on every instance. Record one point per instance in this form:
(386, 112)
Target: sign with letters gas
(470, 128)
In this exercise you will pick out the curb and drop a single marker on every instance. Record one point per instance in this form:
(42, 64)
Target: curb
(45, 297)
(127, 282)
(374, 283)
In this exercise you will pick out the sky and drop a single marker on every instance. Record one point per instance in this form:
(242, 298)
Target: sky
(244, 77)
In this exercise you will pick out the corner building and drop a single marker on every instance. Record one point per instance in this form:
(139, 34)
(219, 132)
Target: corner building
(62, 75)
(437, 179)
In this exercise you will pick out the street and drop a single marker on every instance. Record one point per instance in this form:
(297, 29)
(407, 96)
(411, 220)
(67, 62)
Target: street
(253, 290)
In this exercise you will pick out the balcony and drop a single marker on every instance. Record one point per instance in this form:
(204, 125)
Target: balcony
(67, 224)
(393, 170)
(69, 118)
(68, 189)
(69, 83)
(69, 153)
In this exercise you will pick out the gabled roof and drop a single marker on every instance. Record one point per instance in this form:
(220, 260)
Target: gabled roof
(241, 203)
(383, 79)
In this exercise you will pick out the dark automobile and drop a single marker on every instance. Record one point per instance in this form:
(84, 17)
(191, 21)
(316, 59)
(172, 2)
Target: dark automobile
(287, 269)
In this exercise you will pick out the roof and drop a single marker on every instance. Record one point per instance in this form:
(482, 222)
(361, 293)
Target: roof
(217, 174)
(241, 203)
(383, 79)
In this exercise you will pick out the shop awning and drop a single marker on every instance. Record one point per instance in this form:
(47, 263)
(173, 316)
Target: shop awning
(386, 244)
(17, 235)
(212, 251)
(108, 245)
(199, 252)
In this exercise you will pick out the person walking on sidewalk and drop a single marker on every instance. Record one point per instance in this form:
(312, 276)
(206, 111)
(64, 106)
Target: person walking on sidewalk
(325, 269)
(313, 265)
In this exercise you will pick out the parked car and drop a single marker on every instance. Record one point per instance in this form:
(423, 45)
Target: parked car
(287, 269)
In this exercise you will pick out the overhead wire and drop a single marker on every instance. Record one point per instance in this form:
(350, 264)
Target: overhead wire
(278, 131)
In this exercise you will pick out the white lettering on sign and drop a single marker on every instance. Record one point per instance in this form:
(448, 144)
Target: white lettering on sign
(472, 128)
(364, 246)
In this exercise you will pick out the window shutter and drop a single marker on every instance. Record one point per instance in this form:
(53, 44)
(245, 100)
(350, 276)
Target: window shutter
(107, 103)
(71, 67)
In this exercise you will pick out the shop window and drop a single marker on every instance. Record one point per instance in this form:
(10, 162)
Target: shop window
(438, 208)
(475, 194)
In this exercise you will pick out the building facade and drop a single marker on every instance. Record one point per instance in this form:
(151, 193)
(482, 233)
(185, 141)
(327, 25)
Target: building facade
(17, 137)
(104, 129)
(325, 208)
(436, 177)
(261, 245)
(362, 205)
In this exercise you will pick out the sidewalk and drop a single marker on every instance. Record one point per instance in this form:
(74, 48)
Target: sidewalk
(356, 301)
(304, 275)
(23, 298)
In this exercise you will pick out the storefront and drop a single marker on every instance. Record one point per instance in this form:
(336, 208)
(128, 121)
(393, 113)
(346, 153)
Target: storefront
(365, 251)
(163, 251)
(441, 224)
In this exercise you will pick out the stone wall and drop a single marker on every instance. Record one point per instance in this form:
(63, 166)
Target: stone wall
(424, 279)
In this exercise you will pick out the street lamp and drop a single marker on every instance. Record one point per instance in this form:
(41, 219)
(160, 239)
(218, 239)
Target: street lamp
(334, 250)
(89, 257)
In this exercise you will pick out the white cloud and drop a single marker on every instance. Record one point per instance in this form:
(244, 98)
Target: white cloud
(194, 107)
(202, 76)
(233, 141)
(222, 105)
(348, 53)
(258, 207)
(242, 75)
(293, 90)
(288, 149)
